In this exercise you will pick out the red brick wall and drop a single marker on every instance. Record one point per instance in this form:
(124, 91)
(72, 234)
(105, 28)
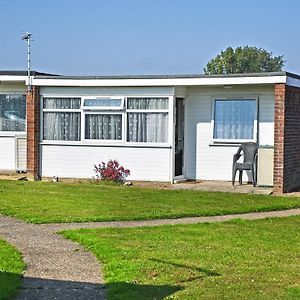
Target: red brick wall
(286, 139)
(33, 133)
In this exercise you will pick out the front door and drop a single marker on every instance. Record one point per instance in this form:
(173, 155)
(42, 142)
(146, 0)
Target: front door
(179, 137)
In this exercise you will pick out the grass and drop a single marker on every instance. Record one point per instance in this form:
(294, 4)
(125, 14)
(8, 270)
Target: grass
(232, 260)
(11, 268)
(47, 202)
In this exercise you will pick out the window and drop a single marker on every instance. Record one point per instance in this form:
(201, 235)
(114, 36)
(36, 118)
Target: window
(103, 103)
(106, 119)
(12, 112)
(147, 120)
(234, 119)
(103, 126)
(100, 122)
(62, 119)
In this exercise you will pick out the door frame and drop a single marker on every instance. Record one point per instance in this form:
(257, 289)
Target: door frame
(176, 139)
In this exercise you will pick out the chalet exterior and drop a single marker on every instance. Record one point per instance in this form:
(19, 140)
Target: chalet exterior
(160, 127)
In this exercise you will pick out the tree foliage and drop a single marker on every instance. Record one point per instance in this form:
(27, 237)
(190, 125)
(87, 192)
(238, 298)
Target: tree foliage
(244, 60)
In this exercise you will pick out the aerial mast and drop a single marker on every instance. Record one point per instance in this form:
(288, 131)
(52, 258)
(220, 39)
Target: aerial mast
(27, 37)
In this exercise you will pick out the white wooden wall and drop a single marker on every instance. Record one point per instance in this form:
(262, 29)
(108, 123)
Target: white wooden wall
(78, 161)
(206, 161)
(7, 153)
(8, 150)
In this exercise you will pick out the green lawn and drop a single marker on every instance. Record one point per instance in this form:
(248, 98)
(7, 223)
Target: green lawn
(232, 260)
(47, 202)
(11, 268)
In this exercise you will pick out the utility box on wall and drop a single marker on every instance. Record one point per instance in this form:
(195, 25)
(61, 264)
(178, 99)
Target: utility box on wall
(265, 166)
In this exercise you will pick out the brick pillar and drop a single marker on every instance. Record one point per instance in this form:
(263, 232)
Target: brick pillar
(33, 133)
(279, 128)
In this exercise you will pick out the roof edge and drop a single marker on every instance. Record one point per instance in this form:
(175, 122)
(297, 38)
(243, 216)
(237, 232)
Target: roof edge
(164, 76)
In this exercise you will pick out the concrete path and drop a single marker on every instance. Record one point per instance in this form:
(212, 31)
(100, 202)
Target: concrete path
(56, 268)
(60, 269)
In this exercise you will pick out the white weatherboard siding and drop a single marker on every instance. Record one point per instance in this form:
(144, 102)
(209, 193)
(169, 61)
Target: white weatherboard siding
(145, 163)
(8, 144)
(7, 153)
(107, 91)
(21, 153)
(203, 159)
(78, 161)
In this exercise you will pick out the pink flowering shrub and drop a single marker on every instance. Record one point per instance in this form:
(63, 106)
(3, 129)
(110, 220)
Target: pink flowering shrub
(111, 170)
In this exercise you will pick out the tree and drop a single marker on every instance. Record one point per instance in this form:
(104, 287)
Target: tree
(244, 60)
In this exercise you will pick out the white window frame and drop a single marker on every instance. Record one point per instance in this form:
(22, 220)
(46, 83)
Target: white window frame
(97, 112)
(128, 110)
(234, 141)
(107, 110)
(45, 110)
(14, 133)
(102, 108)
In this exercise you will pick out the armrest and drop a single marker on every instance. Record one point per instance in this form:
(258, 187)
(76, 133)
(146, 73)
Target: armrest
(236, 157)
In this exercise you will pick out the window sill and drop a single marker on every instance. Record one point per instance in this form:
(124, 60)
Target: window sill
(12, 133)
(230, 143)
(103, 144)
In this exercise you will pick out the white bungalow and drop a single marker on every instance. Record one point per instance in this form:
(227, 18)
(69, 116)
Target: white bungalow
(162, 128)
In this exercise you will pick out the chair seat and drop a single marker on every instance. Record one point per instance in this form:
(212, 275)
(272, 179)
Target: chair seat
(243, 166)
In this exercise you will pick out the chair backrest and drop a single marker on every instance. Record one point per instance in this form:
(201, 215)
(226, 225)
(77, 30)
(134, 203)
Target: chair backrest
(250, 150)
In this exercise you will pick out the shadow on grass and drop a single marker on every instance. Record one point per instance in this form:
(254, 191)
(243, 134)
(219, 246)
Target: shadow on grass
(131, 291)
(46, 289)
(10, 283)
(206, 272)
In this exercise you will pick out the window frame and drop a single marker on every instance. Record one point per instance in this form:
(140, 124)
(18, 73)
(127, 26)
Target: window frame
(255, 122)
(58, 110)
(97, 112)
(10, 132)
(130, 110)
(110, 110)
(102, 108)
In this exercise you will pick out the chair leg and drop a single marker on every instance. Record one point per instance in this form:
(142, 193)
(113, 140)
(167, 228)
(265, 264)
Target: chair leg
(241, 177)
(253, 176)
(233, 175)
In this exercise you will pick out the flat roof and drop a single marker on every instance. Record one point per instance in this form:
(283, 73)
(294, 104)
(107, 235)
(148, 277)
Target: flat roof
(46, 79)
(165, 76)
(163, 80)
(23, 73)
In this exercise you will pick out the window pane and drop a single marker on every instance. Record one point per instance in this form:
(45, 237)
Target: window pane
(62, 126)
(147, 103)
(234, 119)
(147, 127)
(103, 127)
(12, 112)
(103, 102)
(62, 103)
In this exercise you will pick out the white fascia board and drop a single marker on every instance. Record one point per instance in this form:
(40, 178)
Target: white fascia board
(9, 78)
(293, 82)
(160, 82)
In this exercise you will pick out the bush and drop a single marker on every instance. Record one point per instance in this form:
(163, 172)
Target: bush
(111, 171)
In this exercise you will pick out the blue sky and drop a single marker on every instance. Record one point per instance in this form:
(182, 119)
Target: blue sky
(97, 37)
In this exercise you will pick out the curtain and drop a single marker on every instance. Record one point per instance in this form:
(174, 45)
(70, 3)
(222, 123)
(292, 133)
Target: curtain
(147, 127)
(12, 112)
(234, 119)
(147, 103)
(63, 126)
(103, 126)
(62, 103)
